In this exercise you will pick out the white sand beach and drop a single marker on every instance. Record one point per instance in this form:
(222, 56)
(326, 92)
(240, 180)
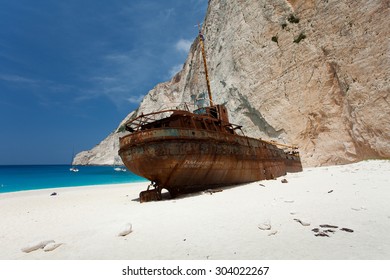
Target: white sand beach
(261, 220)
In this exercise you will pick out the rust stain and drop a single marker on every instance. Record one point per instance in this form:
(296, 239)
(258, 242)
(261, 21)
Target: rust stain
(182, 152)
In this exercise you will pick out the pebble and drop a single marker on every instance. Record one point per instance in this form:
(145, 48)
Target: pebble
(128, 228)
(51, 246)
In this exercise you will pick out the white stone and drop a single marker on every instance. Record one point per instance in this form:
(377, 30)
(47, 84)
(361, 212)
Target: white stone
(126, 230)
(51, 246)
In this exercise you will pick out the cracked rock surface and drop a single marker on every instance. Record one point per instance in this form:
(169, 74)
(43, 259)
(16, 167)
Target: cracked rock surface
(311, 73)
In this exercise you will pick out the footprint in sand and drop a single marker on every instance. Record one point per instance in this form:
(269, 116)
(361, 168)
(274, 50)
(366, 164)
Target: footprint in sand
(328, 226)
(358, 208)
(325, 229)
(273, 232)
(36, 245)
(321, 233)
(265, 225)
(346, 229)
(302, 222)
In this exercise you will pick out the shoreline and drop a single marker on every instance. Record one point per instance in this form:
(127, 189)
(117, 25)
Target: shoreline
(35, 177)
(58, 189)
(261, 220)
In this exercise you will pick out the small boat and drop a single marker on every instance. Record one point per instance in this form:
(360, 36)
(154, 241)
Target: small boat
(73, 168)
(184, 151)
(120, 169)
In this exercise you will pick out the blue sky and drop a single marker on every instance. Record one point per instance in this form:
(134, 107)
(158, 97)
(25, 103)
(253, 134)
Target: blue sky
(70, 71)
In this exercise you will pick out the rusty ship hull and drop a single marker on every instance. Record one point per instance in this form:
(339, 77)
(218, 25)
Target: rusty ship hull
(183, 151)
(187, 152)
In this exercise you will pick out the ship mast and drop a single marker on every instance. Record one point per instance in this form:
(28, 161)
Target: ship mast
(201, 40)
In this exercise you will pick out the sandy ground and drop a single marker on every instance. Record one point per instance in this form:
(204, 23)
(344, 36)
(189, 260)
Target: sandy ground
(261, 220)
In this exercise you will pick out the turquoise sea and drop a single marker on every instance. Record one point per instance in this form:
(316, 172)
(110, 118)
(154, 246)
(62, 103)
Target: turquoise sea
(32, 177)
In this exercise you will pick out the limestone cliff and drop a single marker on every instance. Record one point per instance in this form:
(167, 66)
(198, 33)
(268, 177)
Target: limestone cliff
(312, 73)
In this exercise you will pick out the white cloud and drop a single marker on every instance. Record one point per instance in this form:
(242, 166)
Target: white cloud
(119, 77)
(135, 99)
(17, 79)
(166, 14)
(183, 45)
(117, 57)
(104, 79)
(35, 84)
(25, 82)
(174, 69)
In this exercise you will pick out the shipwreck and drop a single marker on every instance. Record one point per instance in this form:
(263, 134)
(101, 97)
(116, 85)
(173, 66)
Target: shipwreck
(184, 151)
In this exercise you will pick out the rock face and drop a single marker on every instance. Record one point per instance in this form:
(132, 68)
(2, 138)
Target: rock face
(106, 153)
(305, 72)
